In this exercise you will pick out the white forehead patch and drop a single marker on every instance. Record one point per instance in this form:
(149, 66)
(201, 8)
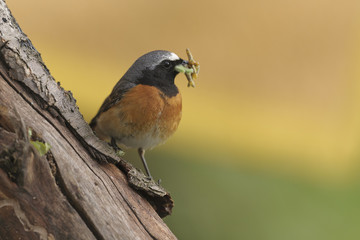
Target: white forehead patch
(173, 57)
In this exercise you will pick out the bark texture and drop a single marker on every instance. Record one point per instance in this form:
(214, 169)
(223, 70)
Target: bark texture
(79, 189)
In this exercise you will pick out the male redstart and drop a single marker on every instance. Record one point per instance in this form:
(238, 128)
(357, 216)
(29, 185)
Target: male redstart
(144, 107)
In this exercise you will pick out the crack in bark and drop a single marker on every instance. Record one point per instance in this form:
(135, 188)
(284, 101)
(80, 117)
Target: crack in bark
(133, 211)
(72, 201)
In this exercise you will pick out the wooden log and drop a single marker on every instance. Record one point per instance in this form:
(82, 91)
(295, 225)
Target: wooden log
(79, 189)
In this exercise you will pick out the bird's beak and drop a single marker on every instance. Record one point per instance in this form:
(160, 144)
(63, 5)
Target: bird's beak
(183, 68)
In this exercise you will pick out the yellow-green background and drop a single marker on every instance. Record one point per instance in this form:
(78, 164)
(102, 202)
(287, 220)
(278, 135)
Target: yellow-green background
(268, 147)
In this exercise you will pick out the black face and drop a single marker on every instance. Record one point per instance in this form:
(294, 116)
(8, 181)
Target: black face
(162, 77)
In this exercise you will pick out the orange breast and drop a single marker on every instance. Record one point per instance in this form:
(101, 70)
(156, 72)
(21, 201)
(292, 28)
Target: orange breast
(144, 117)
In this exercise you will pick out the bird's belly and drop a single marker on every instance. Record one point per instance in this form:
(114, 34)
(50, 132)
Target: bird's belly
(145, 140)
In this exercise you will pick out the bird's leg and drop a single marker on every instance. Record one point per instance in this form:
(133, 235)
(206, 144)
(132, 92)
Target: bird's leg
(119, 152)
(142, 156)
(113, 144)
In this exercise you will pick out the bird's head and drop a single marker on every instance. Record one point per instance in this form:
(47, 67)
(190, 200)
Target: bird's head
(157, 68)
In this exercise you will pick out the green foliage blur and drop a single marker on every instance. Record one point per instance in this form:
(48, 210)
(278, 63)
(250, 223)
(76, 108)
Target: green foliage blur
(213, 201)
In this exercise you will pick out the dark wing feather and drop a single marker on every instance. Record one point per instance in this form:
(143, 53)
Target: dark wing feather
(117, 93)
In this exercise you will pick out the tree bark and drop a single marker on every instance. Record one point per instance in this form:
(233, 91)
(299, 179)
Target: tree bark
(79, 189)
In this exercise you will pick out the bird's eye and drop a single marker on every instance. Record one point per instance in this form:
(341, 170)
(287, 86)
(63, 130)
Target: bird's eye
(167, 64)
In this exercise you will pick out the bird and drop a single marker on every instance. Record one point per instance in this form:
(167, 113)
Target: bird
(145, 106)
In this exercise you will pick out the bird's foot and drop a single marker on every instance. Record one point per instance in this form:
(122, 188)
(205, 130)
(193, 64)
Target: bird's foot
(118, 151)
(149, 178)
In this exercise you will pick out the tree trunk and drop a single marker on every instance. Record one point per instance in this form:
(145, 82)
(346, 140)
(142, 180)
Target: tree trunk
(79, 189)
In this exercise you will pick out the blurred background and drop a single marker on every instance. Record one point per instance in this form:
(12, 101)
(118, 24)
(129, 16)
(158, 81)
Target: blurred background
(268, 147)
